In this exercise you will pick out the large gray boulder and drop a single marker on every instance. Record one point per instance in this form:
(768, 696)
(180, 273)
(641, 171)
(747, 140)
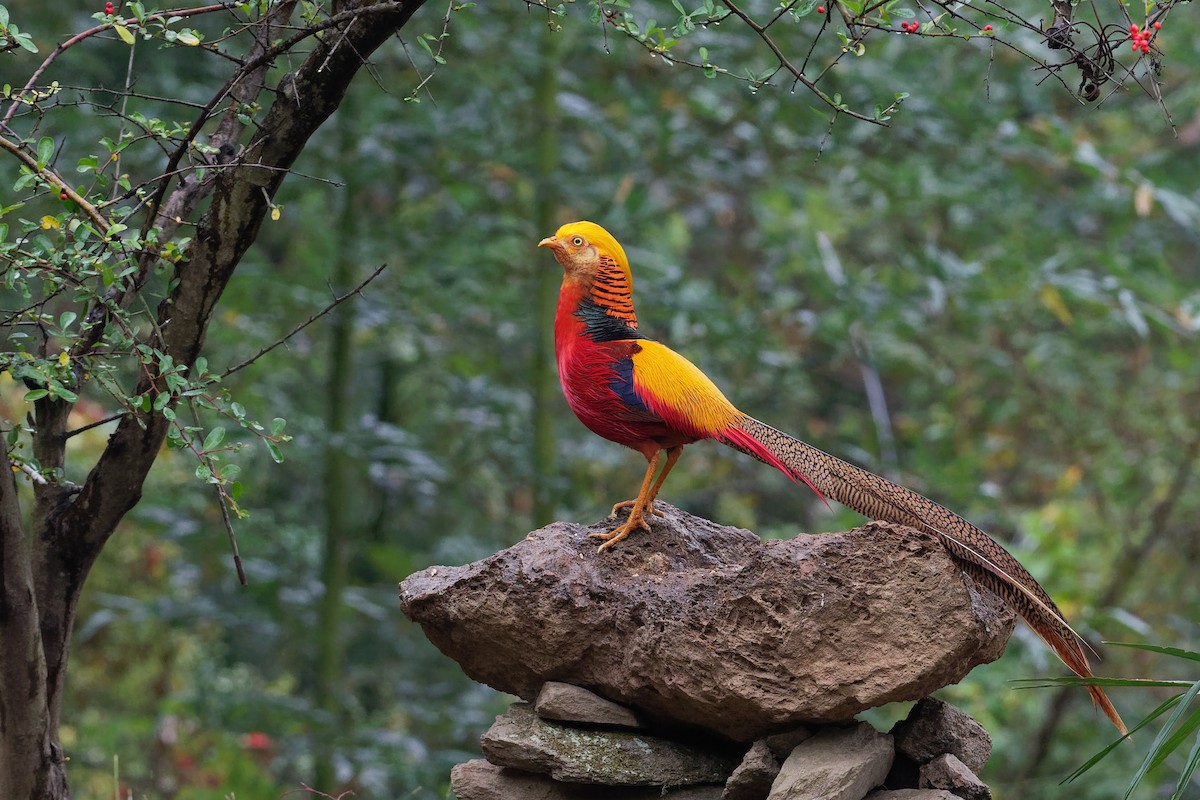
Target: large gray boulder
(706, 625)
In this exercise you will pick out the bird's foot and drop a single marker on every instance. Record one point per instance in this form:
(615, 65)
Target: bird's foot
(630, 504)
(636, 520)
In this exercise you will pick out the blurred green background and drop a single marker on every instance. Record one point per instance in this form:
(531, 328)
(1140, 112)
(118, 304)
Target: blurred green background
(1017, 272)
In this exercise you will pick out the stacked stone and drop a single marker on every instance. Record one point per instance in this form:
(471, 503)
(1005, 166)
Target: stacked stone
(718, 642)
(572, 744)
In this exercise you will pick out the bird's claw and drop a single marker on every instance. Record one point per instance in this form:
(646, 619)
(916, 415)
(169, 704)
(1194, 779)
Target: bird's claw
(630, 504)
(618, 534)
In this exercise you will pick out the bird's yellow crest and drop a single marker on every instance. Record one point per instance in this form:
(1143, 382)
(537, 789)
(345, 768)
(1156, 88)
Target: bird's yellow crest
(602, 239)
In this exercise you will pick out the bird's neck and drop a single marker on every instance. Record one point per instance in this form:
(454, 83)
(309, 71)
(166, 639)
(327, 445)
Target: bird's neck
(600, 309)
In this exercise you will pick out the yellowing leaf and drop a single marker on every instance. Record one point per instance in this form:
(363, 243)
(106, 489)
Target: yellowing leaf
(1143, 200)
(49, 222)
(1053, 300)
(126, 35)
(276, 214)
(188, 38)
(64, 358)
(1070, 478)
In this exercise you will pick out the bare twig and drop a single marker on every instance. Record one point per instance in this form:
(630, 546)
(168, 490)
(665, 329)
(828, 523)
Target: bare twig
(338, 300)
(796, 73)
(90, 32)
(223, 501)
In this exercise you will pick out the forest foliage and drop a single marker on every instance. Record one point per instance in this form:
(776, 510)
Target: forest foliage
(994, 300)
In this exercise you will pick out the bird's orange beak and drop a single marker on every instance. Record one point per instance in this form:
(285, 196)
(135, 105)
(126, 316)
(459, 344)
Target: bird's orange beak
(551, 242)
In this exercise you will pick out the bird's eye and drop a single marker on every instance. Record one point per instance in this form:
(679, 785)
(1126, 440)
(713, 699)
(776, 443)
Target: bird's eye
(577, 241)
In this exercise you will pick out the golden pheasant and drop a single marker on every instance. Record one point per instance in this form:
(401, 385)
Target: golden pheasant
(637, 392)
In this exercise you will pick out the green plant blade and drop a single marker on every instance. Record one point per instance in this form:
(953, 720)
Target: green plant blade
(1177, 652)
(1096, 759)
(1185, 777)
(1075, 680)
(1157, 744)
(1180, 735)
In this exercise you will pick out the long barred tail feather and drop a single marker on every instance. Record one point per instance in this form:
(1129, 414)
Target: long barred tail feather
(980, 556)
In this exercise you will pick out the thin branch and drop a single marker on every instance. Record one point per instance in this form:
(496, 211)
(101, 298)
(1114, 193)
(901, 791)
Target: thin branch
(223, 501)
(96, 424)
(337, 300)
(796, 73)
(51, 177)
(90, 32)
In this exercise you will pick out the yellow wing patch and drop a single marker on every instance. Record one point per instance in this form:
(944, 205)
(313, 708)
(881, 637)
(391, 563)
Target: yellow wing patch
(679, 392)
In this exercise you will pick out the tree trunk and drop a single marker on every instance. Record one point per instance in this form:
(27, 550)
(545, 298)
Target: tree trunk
(340, 525)
(542, 376)
(45, 566)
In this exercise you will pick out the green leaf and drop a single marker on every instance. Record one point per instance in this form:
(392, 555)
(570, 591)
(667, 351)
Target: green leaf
(26, 41)
(3, 17)
(127, 37)
(66, 318)
(276, 453)
(35, 394)
(214, 439)
(45, 151)
(277, 426)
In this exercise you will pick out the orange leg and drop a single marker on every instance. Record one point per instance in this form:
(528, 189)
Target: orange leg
(644, 501)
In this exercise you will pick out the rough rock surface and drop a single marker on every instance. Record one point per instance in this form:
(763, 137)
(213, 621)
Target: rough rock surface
(567, 703)
(836, 764)
(753, 777)
(948, 772)
(479, 780)
(912, 794)
(706, 625)
(934, 727)
(782, 744)
(521, 740)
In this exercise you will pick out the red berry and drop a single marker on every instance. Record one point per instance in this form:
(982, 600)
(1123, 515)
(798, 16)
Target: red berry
(1158, 26)
(820, 9)
(987, 28)
(62, 195)
(108, 8)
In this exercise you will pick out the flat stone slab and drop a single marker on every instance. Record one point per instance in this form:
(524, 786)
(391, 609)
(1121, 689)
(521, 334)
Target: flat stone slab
(521, 740)
(912, 794)
(706, 625)
(566, 703)
(480, 780)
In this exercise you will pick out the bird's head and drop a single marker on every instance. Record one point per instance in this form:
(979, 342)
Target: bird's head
(584, 249)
